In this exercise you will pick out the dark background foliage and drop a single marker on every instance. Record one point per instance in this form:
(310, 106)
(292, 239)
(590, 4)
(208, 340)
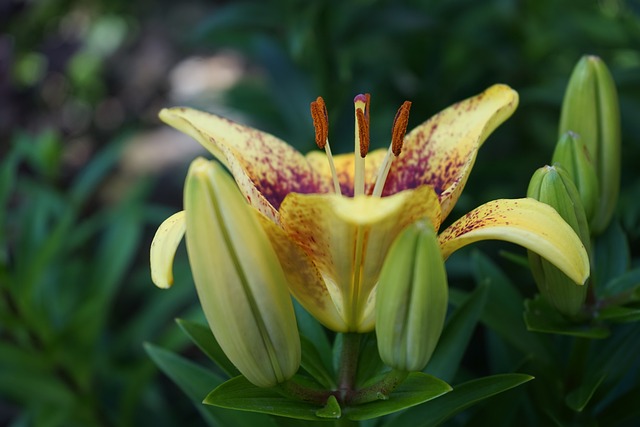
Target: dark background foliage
(88, 171)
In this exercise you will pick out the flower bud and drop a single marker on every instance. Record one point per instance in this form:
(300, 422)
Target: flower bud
(411, 301)
(572, 155)
(590, 108)
(240, 283)
(553, 186)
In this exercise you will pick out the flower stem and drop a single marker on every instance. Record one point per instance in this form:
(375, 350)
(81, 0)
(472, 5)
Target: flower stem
(348, 364)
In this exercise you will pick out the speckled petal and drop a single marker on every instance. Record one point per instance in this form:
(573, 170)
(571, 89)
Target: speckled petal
(441, 151)
(265, 168)
(345, 169)
(304, 280)
(526, 222)
(348, 239)
(163, 249)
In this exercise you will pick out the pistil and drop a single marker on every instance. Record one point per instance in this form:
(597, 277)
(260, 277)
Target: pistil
(361, 147)
(321, 126)
(398, 132)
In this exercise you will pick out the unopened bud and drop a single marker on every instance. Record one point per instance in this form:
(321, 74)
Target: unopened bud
(553, 186)
(573, 156)
(411, 301)
(239, 280)
(590, 108)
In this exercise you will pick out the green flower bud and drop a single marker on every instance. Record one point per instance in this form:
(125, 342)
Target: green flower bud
(553, 186)
(240, 283)
(590, 109)
(411, 301)
(573, 156)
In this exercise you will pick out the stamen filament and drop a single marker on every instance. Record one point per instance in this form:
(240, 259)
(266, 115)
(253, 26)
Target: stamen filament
(332, 166)
(361, 147)
(321, 126)
(383, 172)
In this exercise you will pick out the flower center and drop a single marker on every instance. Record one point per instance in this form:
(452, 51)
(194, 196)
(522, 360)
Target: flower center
(361, 143)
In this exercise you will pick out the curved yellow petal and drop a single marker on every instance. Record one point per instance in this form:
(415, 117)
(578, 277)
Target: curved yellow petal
(526, 222)
(265, 168)
(304, 280)
(348, 239)
(442, 151)
(345, 169)
(163, 249)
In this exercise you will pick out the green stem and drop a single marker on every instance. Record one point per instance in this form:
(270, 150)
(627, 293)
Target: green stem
(348, 364)
(380, 390)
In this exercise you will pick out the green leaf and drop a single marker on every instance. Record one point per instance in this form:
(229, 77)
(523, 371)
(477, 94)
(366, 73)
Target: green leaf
(628, 282)
(620, 314)
(416, 389)
(313, 363)
(456, 335)
(369, 363)
(331, 409)
(239, 394)
(196, 381)
(202, 336)
(503, 310)
(461, 397)
(579, 398)
(611, 255)
(315, 334)
(541, 317)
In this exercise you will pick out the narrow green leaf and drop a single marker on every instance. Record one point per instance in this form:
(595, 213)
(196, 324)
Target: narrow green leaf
(456, 335)
(503, 310)
(416, 389)
(195, 382)
(461, 397)
(620, 314)
(93, 173)
(541, 317)
(202, 336)
(239, 394)
(580, 397)
(627, 282)
(313, 331)
(313, 363)
(369, 363)
(611, 255)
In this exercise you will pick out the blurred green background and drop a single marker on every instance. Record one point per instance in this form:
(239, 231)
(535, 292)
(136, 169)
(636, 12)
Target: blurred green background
(88, 171)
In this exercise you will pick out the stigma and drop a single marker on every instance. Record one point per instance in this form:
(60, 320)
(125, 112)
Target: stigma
(361, 142)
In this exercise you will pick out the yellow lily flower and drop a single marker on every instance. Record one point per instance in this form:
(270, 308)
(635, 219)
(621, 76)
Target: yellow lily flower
(332, 219)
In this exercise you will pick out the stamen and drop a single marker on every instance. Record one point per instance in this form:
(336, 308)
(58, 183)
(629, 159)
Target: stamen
(363, 133)
(361, 103)
(321, 126)
(320, 121)
(398, 131)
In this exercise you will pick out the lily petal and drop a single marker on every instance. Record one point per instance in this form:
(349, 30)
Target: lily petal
(442, 151)
(304, 279)
(526, 222)
(265, 167)
(348, 239)
(163, 249)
